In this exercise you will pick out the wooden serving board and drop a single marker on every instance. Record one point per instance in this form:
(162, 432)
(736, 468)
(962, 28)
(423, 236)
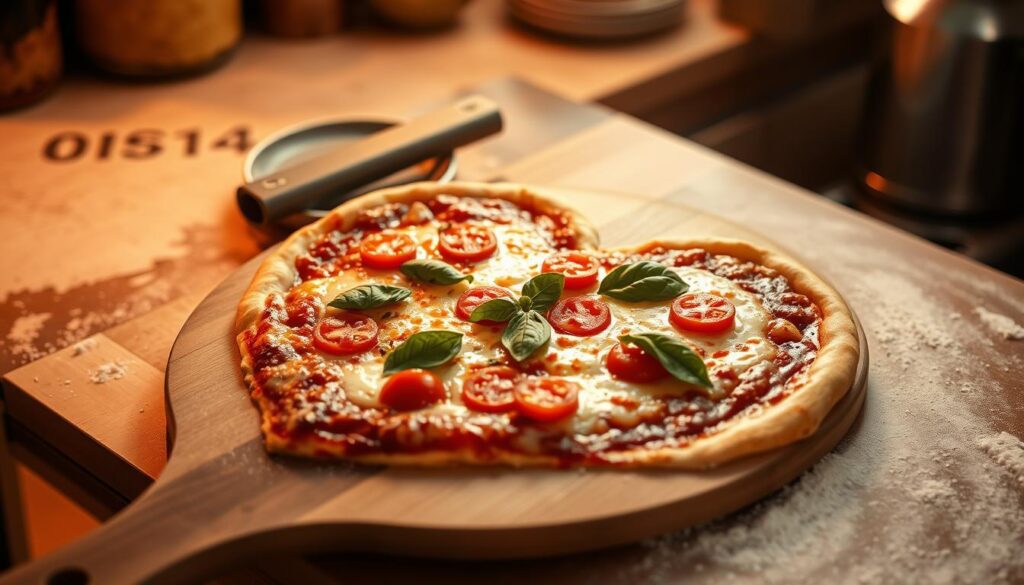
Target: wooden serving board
(222, 499)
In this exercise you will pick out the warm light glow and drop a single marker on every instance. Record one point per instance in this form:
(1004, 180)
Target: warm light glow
(875, 181)
(988, 28)
(907, 10)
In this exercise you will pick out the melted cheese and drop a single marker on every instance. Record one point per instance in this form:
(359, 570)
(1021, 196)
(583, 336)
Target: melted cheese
(583, 361)
(580, 359)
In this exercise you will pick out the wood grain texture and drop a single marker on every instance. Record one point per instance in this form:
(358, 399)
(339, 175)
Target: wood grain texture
(67, 382)
(222, 498)
(146, 336)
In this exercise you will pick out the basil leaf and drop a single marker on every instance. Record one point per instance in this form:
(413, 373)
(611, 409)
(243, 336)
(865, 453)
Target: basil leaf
(525, 334)
(433, 272)
(426, 349)
(678, 359)
(642, 281)
(543, 290)
(370, 296)
(495, 310)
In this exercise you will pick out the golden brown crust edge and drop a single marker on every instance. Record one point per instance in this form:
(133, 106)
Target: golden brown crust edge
(796, 417)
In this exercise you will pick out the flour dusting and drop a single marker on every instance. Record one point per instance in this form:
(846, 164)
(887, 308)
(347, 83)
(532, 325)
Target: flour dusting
(999, 324)
(83, 346)
(109, 371)
(24, 331)
(1007, 451)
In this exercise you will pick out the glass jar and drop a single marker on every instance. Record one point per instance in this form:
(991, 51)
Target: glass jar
(158, 38)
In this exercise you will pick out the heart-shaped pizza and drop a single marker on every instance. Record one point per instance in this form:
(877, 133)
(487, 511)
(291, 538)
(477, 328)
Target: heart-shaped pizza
(476, 323)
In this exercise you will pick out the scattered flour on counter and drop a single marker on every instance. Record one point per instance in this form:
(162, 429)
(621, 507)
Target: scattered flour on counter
(109, 371)
(988, 287)
(933, 491)
(83, 346)
(910, 321)
(1007, 451)
(1001, 325)
(922, 492)
(35, 335)
(23, 333)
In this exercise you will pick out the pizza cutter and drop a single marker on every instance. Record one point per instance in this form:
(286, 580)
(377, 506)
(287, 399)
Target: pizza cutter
(309, 140)
(284, 182)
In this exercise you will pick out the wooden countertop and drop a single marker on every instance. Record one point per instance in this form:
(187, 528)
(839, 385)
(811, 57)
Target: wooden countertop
(925, 487)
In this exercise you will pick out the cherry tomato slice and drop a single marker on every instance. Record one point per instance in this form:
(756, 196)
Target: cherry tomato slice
(467, 242)
(387, 249)
(579, 269)
(629, 363)
(703, 313)
(490, 389)
(580, 316)
(546, 399)
(345, 333)
(411, 390)
(476, 296)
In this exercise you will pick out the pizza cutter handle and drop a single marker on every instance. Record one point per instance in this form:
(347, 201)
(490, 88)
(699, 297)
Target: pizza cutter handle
(347, 167)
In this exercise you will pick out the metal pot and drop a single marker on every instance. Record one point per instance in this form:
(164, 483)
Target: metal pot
(944, 122)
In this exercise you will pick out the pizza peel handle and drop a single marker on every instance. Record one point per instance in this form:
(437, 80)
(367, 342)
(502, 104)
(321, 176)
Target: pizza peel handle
(146, 543)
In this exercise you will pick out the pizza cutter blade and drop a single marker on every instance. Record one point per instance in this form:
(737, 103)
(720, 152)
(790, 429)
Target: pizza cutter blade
(305, 184)
(309, 140)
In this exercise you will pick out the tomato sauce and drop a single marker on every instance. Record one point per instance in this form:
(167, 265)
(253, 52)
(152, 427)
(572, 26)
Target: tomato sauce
(315, 408)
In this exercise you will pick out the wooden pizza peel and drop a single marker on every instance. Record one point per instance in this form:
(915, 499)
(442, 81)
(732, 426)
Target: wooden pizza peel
(221, 499)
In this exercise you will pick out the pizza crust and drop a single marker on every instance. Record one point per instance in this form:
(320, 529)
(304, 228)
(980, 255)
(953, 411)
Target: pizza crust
(797, 416)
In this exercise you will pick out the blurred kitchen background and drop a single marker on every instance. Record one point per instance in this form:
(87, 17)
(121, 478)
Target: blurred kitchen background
(909, 110)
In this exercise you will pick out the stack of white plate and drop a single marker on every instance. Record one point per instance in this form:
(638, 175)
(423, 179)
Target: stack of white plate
(599, 19)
